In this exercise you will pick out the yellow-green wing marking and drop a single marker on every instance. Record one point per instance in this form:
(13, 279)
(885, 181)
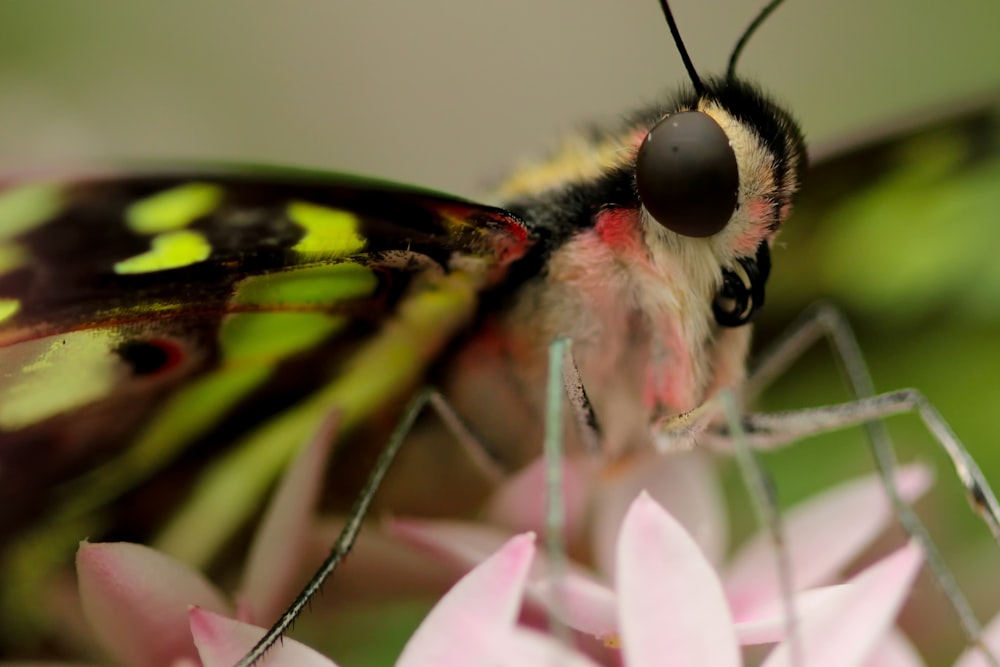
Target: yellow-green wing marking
(150, 320)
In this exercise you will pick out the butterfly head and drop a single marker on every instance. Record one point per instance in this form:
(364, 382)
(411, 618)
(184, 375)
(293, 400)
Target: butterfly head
(721, 170)
(723, 165)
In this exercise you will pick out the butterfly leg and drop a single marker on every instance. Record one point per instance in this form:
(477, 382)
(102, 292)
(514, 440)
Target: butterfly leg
(773, 430)
(764, 500)
(348, 534)
(769, 431)
(485, 457)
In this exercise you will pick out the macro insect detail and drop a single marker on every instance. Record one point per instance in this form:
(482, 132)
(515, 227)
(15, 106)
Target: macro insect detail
(169, 341)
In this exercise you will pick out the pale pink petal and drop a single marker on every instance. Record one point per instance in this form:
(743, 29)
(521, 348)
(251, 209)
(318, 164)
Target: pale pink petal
(578, 601)
(822, 534)
(991, 639)
(520, 502)
(275, 557)
(589, 606)
(379, 565)
(223, 641)
(847, 634)
(684, 483)
(671, 606)
(527, 648)
(767, 626)
(895, 650)
(136, 600)
(463, 543)
(470, 624)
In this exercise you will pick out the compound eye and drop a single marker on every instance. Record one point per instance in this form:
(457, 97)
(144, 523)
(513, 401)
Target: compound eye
(686, 174)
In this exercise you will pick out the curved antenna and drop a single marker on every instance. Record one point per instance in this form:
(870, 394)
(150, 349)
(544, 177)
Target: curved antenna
(747, 34)
(699, 88)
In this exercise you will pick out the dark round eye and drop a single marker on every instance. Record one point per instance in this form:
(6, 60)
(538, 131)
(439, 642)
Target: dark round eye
(686, 174)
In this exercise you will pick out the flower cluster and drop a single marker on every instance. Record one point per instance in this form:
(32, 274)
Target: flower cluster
(664, 595)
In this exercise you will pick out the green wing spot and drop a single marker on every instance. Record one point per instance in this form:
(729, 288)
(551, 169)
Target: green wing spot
(249, 359)
(28, 206)
(173, 209)
(390, 364)
(310, 286)
(9, 308)
(171, 250)
(271, 336)
(54, 375)
(186, 415)
(11, 257)
(329, 231)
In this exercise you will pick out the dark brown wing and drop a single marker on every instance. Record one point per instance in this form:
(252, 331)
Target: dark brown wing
(141, 314)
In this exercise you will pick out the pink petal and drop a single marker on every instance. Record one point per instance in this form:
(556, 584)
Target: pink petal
(520, 503)
(470, 624)
(269, 578)
(768, 625)
(461, 542)
(577, 599)
(671, 606)
(991, 638)
(222, 642)
(527, 648)
(136, 600)
(378, 566)
(580, 602)
(848, 633)
(823, 535)
(684, 483)
(894, 650)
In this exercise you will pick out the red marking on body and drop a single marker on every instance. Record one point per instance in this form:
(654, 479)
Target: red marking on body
(759, 215)
(513, 243)
(619, 229)
(636, 139)
(507, 236)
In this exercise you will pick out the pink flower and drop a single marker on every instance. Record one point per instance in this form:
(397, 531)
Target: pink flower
(823, 535)
(672, 608)
(136, 600)
(471, 625)
(670, 604)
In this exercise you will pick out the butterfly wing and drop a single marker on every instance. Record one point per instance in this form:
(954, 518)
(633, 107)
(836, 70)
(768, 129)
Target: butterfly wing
(141, 314)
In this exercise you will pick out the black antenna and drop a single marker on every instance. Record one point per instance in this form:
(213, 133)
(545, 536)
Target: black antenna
(699, 88)
(747, 34)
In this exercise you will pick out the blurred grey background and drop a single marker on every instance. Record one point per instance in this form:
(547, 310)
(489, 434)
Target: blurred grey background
(445, 93)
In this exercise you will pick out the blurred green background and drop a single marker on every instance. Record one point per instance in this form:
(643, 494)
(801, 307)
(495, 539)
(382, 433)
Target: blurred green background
(451, 93)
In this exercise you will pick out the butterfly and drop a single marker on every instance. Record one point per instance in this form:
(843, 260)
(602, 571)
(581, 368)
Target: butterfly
(241, 307)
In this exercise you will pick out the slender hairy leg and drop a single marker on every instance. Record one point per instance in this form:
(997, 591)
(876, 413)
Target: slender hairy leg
(482, 455)
(348, 534)
(765, 505)
(775, 429)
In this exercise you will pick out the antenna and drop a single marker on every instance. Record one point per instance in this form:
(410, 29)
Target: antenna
(747, 34)
(699, 88)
